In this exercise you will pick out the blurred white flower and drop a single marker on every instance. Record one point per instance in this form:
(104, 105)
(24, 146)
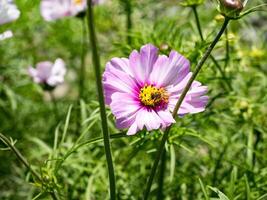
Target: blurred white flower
(6, 35)
(8, 11)
(56, 9)
(48, 73)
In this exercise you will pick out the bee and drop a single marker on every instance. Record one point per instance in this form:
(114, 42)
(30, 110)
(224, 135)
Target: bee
(156, 96)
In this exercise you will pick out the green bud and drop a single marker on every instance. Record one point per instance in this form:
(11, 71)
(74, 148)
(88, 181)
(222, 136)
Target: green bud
(231, 8)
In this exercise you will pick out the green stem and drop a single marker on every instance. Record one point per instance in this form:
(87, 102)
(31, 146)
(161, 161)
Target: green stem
(82, 76)
(83, 55)
(96, 62)
(128, 9)
(250, 148)
(21, 158)
(55, 107)
(194, 8)
(24, 161)
(179, 103)
(160, 194)
(227, 47)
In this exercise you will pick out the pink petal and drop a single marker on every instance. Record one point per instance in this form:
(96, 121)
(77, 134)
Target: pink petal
(55, 9)
(133, 129)
(148, 118)
(169, 71)
(116, 79)
(142, 64)
(194, 101)
(166, 117)
(124, 107)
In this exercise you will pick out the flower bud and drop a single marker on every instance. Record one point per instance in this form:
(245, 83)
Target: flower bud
(231, 8)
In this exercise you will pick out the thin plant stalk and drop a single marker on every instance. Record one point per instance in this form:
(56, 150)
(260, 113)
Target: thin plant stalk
(82, 74)
(128, 10)
(194, 8)
(160, 194)
(55, 107)
(179, 103)
(106, 136)
(227, 47)
(250, 148)
(24, 161)
(82, 62)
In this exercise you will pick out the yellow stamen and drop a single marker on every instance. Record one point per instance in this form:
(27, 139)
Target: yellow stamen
(151, 96)
(78, 2)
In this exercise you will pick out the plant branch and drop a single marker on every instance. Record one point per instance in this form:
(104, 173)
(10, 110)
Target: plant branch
(24, 161)
(179, 103)
(82, 62)
(160, 194)
(96, 62)
(194, 8)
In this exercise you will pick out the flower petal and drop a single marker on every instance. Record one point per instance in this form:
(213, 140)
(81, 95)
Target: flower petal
(55, 9)
(149, 119)
(124, 107)
(117, 78)
(8, 11)
(142, 63)
(169, 70)
(194, 101)
(166, 117)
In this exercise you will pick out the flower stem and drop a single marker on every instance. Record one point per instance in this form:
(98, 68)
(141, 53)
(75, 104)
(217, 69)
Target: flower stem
(83, 54)
(227, 47)
(128, 9)
(250, 148)
(96, 62)
(55, 107)
(160, 194)
(21, 158)
(194, 8)
(179, 103)
(24, 161)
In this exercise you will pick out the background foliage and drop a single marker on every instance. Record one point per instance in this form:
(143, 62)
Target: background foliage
(220, 152)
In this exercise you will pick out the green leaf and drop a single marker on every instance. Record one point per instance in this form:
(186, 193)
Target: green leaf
(221, 195)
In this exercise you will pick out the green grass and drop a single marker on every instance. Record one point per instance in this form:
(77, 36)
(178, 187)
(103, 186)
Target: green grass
(217, 154)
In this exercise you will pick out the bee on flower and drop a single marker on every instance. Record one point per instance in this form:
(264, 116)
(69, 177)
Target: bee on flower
(142, 90)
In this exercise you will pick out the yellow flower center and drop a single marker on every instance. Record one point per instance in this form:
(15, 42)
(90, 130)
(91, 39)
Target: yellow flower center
(151, 96)
(78, 2)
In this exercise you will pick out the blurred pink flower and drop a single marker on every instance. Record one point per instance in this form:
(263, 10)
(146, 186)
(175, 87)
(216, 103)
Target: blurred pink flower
(8, 11)
(142, 90)
(56, 9)
(48, 73)
(6, 35)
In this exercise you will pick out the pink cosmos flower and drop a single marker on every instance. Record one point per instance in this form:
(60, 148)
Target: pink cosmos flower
(8, 11)
(142, 90)
(48, 73)
(56, 9)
